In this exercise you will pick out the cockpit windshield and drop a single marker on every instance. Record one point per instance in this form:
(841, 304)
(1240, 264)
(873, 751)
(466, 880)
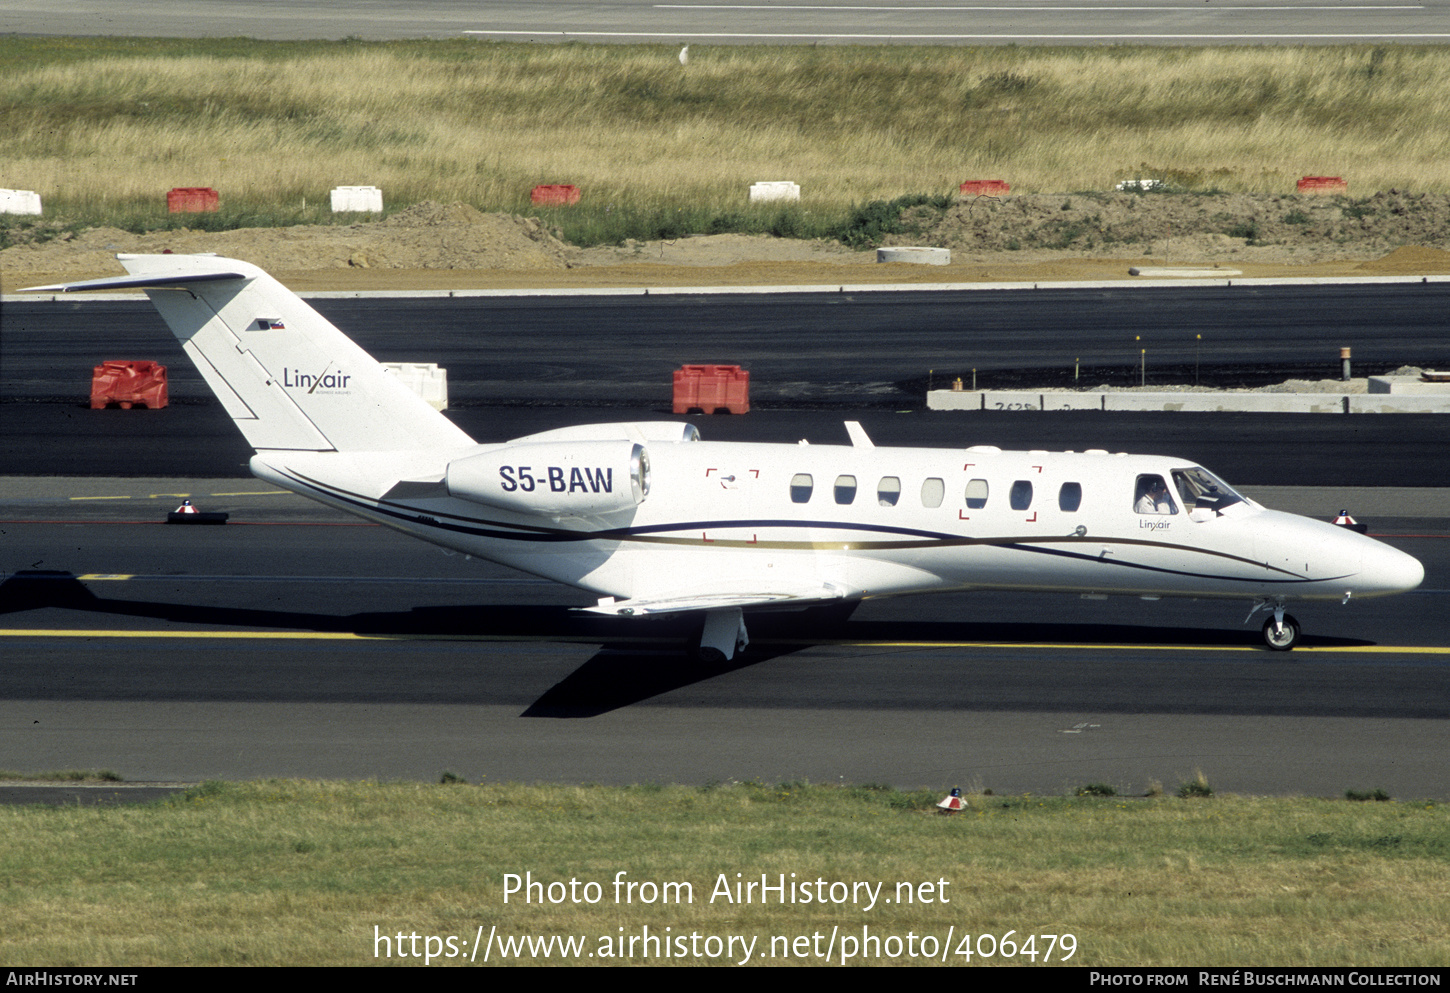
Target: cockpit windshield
(1202, 490)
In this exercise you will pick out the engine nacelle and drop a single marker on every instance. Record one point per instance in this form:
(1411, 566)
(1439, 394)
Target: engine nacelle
(560, 479)
(642, 431)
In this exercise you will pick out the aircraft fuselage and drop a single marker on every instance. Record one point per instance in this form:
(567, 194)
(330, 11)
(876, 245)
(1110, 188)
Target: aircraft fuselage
(878, 522)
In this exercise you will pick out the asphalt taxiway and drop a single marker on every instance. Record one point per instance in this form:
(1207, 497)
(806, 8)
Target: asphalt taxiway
(1051, 22)
(291, 642)
(294, 642)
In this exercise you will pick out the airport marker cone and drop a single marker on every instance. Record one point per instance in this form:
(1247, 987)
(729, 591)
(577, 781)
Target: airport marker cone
(1345, 521)
(187, 514)
(953, 801)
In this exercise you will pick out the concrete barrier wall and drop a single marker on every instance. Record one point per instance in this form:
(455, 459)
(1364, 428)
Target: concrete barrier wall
(1267, 403)
(1412, 385)
(1383, 403)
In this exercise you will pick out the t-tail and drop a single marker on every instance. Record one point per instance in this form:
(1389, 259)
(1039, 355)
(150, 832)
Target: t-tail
(289, 379)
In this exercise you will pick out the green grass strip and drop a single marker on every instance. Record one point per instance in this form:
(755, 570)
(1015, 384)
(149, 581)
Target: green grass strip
(332, 873)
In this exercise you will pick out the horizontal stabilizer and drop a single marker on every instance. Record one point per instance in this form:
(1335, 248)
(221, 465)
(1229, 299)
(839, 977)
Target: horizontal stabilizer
(155, 282)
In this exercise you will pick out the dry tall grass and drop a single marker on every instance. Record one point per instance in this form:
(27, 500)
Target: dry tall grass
(484, 122)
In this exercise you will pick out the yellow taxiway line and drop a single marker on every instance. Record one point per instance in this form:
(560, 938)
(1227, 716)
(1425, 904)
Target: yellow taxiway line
(830, 643)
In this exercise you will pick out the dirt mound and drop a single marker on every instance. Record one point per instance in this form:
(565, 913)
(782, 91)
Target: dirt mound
(722, 250)
(1186, 227)
(1408, 260)
(1062, 236)
(431, 214)
(427, 235)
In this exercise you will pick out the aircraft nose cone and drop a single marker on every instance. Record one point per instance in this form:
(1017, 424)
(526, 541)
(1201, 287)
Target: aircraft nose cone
(1389, 570)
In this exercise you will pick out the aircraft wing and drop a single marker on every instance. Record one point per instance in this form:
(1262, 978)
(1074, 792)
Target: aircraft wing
(639, 606)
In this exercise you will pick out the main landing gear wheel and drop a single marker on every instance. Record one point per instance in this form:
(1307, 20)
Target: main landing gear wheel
(723, 635)
(1285, 637)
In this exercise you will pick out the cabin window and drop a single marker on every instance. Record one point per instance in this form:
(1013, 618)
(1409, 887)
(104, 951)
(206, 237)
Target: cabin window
(888, 491)
(932, 492)
(1151, 496)
(1069, 498)
(845, 489)
(1021, 495)
(801, 485)
(977, 494)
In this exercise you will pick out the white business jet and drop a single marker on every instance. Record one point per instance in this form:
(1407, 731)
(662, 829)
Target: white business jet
(655, 521)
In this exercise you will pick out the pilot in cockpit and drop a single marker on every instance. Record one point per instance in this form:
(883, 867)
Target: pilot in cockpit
(1153, 496)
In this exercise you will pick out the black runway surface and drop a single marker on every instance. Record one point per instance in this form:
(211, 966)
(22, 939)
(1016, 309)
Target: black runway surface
(312, 648)
(290, 642)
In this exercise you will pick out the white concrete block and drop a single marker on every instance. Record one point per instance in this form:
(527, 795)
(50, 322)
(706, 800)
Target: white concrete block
(1065, 400)
(19, 202)
(1268, 403)
(1381, 403)
(953, 400)
(1182, 272)
(424, 379)
(1170, 402)
(775, 190)
(1400, 385)
(357, 199)
(1011, 400)
(921, 256)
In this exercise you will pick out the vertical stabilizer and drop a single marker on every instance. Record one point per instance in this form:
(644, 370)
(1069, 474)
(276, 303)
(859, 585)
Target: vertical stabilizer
(287, 377)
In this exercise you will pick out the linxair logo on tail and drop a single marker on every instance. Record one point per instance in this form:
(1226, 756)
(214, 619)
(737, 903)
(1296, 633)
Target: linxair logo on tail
(327, 382)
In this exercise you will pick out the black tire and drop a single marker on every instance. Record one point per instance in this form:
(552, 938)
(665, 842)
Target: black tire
(1284, 639)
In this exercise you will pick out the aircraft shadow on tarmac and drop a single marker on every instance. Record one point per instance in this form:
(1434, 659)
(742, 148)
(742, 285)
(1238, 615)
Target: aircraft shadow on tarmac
(636, 661)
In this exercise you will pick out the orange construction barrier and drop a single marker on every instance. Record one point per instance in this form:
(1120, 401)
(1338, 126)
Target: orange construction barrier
(1323, 184)
(984, 188)
(711, 389)
(191, 199)
(555, 196)
(130, 384)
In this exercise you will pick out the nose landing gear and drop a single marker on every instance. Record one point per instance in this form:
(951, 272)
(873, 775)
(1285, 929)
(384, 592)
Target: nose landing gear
(1281, 632)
